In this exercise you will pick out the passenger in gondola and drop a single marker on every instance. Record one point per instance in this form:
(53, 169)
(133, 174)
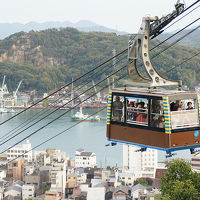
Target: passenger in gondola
(172, 105)
(141, 115)
(178, 106)
(161, 122)
(117, 109)
(189, 106)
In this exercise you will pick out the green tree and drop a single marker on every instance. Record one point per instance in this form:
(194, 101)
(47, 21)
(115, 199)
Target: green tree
(180, 182)
(141, 181)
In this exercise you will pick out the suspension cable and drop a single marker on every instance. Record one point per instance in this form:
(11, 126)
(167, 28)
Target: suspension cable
(66, 85)
(42, 112)
(62, 113)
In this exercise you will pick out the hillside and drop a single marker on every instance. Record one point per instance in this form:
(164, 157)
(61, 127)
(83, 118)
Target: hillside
(50, 58)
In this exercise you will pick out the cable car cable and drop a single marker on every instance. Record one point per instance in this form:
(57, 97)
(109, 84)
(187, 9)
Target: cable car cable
(152, 58)
(70, 126)
(66, 85)
(176, 42)
(183, 16)
(175, 33)
(62, 113)
(183, 62)
(9, 134)
(123, 51)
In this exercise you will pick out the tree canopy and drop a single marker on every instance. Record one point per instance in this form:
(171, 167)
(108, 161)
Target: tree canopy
(180, 182)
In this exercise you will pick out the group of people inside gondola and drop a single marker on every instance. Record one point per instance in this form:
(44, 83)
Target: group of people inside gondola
(137, 111)
(178, 106)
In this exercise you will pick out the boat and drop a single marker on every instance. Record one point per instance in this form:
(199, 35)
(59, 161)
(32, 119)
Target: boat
(3, 110)
(79, 116)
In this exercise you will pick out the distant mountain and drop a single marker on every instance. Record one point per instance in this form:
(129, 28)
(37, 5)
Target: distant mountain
(6, 29)
(192, 39)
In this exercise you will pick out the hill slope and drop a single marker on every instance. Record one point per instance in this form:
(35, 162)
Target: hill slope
(51, 57)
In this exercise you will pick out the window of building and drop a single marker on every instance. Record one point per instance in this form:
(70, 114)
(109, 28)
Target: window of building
(137, 110)
(118, 108)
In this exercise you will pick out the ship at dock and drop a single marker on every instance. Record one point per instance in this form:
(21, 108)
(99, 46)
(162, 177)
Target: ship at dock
(79, 116)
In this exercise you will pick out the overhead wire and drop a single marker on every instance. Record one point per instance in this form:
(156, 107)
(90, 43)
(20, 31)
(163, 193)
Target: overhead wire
(13, 136)
(175, 42)
(65, 130)
(58, 134)
(43, 111)
(63, 105)
(42, 127)
(126, 50)
(184, 15)
(175, 34)
(66, 85)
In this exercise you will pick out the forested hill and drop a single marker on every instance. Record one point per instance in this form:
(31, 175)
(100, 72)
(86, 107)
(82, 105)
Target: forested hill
(51, 57)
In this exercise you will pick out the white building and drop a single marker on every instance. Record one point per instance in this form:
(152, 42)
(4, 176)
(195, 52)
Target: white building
(127, 177)
(58, 177)
(142, 164)
(96, 193)
(85, 159)
(20, 150)
(28, 191)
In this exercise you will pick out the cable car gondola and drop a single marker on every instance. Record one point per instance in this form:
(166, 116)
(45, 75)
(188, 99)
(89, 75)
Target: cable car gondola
(150, 116)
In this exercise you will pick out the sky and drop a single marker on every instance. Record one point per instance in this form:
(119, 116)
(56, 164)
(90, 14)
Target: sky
(123, 15)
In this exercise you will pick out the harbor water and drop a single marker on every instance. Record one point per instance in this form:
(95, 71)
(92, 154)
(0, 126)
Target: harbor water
(90, 136)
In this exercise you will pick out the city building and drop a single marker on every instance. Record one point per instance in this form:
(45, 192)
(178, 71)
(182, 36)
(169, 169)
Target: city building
(28, 191)
(96, 193)
(51, 195)
(23, 150)
(127, 178)
(58, 177)
(14, 169)
(39, 178)
(122, 192)
(142, 164)
(13, 191)
(41, 158)
(85, 159)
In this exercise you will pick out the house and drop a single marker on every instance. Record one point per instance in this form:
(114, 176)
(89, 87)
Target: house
(51, 195)
(14, 170)
(39, 178)
(96, 193)
(85, 159)
(58, 177)
(23, 150)
(137, 190)
(127, 177)
(28, 191)
(122, 192)
(13, 191)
